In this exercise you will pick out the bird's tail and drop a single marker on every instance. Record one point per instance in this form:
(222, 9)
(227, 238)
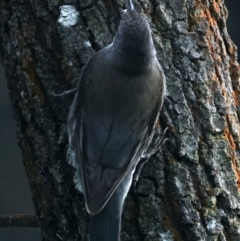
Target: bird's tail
(106, 225)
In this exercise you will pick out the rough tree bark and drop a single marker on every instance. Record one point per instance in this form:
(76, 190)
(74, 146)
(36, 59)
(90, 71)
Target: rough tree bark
(190, 190)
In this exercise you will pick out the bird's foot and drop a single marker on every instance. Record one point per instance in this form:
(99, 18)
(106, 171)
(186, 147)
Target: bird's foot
(157, 141)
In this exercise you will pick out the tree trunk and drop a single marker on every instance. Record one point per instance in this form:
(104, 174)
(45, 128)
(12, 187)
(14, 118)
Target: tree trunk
(190, 190)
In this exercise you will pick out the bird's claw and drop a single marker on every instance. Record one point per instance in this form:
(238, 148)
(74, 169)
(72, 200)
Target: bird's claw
(154, 147)
(157, 142)
(67, 92)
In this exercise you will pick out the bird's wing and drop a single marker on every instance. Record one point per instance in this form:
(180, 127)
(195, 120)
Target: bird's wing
(105, 149)
(106, 159)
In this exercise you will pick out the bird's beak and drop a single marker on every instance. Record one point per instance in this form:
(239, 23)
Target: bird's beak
(130, 5)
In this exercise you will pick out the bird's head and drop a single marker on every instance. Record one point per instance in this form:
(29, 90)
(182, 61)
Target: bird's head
(134, 34)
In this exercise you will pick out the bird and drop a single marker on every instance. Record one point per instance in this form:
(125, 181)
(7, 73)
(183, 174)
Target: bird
(112, 120)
